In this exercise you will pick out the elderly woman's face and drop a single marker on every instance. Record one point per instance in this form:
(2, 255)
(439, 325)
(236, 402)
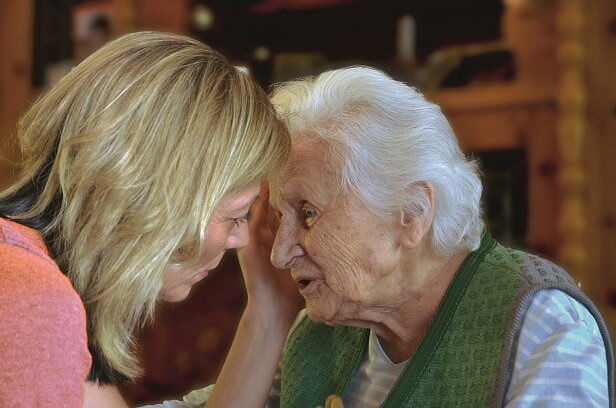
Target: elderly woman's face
(337, 250)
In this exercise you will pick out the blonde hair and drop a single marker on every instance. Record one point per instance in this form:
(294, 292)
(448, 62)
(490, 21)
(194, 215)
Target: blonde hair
(132, 151)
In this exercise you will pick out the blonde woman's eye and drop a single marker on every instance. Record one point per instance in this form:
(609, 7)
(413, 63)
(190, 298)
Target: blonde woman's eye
(242, 220)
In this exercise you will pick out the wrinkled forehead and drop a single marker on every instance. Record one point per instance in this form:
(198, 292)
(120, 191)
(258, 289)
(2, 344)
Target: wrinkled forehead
(308, 174)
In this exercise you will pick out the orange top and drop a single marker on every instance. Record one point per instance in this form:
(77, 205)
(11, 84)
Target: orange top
(44, 358)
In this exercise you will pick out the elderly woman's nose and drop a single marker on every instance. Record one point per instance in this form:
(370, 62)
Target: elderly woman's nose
(286, 247)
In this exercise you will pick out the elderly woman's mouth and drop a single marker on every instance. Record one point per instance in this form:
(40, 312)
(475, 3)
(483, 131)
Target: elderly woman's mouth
(306, 284)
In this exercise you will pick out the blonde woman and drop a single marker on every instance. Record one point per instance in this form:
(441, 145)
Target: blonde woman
(139, 169)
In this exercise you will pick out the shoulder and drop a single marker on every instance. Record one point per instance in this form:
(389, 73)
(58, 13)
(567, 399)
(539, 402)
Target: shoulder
(20, 236)
(557, 325)
(533, 270)
(552, 308)
(27, 271)
(32, 288)
(560, 353)
(43, 349)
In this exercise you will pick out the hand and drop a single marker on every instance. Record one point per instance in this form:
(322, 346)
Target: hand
(333, 401)
(270, 290)
(273, 304)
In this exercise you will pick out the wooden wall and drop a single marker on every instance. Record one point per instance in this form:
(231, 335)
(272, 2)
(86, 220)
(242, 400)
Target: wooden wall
(16, 30)
(562, 111)
(161, 15)
(600, 157)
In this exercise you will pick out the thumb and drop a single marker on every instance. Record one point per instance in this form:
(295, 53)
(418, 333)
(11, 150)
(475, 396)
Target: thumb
(334, 401)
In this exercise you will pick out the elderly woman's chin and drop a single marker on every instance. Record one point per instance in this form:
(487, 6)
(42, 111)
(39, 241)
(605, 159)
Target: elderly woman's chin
(324, 309)
(316, 313)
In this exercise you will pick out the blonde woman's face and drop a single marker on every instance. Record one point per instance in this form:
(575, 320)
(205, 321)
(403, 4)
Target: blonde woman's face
(228, 229)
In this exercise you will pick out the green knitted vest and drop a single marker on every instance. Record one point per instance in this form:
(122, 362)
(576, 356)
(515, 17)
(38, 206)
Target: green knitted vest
(456, 362)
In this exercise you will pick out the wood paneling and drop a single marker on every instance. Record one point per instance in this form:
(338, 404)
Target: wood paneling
(562, 112)
(160, 15)
(514, 117)
(16, 22)
(600, 54)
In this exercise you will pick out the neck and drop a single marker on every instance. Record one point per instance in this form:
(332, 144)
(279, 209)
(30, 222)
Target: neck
(401, 328)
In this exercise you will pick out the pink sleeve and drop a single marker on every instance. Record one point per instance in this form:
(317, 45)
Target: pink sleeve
(44, 358)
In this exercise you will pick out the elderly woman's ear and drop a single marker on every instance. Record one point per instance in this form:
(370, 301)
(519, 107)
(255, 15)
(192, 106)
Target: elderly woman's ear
(415, 221)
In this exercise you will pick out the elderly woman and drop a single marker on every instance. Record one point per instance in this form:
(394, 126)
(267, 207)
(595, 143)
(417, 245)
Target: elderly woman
(409, 300)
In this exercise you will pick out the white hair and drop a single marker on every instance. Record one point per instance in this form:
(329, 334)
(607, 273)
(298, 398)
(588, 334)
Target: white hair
(388, 143)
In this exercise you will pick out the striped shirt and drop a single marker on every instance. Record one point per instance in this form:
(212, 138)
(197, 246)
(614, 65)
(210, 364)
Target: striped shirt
(560, 361)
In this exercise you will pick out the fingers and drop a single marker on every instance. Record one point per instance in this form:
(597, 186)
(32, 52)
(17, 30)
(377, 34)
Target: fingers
(261, 206)
(264, 222)
(272, 219)
(333, 401)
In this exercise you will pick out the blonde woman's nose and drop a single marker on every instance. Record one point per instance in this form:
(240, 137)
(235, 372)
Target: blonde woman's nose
(240, 238)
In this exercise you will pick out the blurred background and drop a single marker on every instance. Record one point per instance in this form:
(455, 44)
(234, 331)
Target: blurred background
(528, 85)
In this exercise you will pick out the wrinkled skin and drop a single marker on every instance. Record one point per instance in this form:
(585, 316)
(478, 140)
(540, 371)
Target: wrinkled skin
(335, 241)
(354, 267)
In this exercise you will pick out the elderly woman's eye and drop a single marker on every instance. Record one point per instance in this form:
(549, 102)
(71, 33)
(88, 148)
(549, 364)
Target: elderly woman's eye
(309, 216)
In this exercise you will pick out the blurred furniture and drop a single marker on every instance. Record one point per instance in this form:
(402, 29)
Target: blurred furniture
(466, 65)
(514, 117)
(559, 110)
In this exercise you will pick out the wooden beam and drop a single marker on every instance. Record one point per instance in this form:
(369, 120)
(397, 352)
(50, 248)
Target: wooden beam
(600, 162)
(16, 28)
